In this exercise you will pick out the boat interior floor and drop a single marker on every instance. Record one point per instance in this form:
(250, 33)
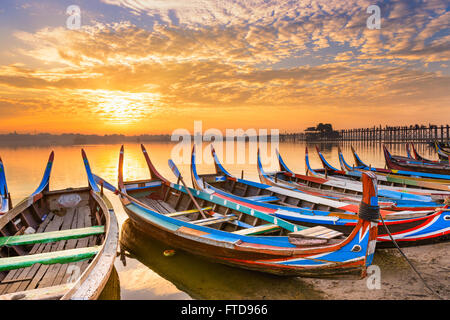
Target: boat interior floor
(232, 221)
(42, 275)
(217, 217)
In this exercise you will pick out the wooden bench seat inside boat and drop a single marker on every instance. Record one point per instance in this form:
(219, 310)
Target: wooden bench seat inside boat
(76, 220)
(318, 232)
(265, 228)
(44, 237)
(158, 205)
(63, 256)
(48, 293)
(214, 220)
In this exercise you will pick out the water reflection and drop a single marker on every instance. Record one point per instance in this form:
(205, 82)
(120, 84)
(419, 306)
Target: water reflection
(111, 291)
(202, 279)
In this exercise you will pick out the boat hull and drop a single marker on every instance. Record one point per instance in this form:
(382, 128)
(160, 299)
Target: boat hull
(412, 233)
(242, 259)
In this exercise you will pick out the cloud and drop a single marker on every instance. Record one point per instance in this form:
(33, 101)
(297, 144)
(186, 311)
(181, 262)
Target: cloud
(224, 59)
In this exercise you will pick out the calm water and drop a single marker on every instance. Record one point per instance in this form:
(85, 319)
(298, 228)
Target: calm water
(148, 274)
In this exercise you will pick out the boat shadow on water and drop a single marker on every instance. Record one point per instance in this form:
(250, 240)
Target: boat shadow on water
(202, 279)
(111, 291)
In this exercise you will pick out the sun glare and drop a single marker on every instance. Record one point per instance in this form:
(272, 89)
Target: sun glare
(121, 108)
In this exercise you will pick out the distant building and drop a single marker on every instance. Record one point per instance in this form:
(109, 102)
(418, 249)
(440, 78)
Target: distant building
(321, 132)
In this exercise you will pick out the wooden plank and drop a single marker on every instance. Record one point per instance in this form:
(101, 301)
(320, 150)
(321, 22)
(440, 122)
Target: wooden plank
(70, 244)
(167, 206)
(42, 271)
(29, 272)
(11, 275)
(210, 221)
(91, 242)
(319, 233)
(258, 230)
(15, 280)
(49, 293)
(86, 221)
(309, 231)
(330, 235)
(54, 236)
(38, 271)
(63, 256)
(161, 208)
(181, 213)
(53, 270)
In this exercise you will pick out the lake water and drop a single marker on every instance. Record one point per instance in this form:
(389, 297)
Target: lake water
(148, 274)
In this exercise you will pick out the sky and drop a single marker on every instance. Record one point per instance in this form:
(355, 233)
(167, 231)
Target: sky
(135, 67)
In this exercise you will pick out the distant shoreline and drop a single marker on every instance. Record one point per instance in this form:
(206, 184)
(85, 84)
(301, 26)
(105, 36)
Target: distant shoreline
(71, 139)
(74, 139)
(46, 139)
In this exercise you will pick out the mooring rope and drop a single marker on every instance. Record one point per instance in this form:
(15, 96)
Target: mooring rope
(368, 212)
(409, 262)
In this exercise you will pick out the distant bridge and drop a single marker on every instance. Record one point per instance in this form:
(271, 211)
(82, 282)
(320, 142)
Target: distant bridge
(416, 133)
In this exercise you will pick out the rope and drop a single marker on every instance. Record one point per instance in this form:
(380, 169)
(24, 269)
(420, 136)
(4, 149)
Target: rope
(368, 212)
(409, 262)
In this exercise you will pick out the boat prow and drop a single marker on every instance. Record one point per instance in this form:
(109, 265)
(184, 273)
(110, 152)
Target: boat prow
(283, 166)
(344, 165)
(5, 198)
(326, 165)
(309, 170)
(200, 182)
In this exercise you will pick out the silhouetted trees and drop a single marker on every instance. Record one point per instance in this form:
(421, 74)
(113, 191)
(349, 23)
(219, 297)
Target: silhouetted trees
(322, 131)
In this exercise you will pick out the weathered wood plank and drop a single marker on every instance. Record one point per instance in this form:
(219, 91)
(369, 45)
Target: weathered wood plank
(181, 213)
(70, 244)
(54, 222)
(49, 293)
(49, 272)
(63, 256)
(34, 271)
(54, 236)
(85, 220)
(209, 221)
(258, 230)
(13, 273)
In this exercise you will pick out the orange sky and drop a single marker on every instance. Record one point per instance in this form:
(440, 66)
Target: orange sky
(151, 67)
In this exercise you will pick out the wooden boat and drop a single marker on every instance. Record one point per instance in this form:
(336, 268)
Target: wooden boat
(420, 176)
(388, 179)
(348, 188)
(418, 157)
(409, 165)
(407, 227)
(443, 151)
(414, 157)
(242, 236)
(58, 244)
(5, 198)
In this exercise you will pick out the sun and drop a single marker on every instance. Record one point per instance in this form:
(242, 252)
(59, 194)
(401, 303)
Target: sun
(122, 108)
